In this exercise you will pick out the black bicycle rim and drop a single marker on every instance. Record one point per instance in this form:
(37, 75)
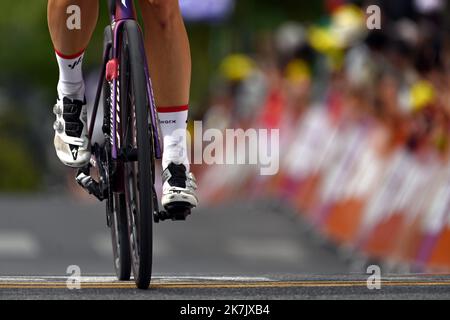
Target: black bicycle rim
(137, 150)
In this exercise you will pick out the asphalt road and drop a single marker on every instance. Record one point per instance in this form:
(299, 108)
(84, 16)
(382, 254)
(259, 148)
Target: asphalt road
(236, 251)
(242, 288)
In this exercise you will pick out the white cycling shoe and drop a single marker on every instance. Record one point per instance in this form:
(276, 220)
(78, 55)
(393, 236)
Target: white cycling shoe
(71, 133)
(179, 187)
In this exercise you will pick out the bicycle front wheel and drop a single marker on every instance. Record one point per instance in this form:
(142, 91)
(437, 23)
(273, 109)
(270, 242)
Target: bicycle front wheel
(137, 148)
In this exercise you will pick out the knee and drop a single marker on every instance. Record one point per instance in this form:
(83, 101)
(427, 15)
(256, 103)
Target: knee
(164, 10)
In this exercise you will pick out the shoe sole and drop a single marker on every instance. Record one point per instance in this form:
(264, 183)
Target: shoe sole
(168, 199)
(75, 166)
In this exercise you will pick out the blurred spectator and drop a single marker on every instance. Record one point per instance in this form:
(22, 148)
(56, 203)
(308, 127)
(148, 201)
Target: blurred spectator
(364, 119)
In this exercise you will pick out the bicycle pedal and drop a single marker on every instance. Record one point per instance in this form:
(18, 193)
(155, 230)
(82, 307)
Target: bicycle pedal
(177, 211)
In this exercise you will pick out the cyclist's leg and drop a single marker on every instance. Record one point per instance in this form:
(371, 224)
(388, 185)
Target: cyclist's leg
(167, 48)
(71, 24)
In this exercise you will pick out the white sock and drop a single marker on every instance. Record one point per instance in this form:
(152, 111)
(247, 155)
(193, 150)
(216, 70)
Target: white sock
(173, 127)
(71, 83)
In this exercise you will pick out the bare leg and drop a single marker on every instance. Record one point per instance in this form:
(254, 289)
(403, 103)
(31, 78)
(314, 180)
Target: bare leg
(71, 24)
(167, 48)
(65, 40)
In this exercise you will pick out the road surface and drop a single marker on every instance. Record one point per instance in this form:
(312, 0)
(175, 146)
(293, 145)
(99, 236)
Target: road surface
(235, 251)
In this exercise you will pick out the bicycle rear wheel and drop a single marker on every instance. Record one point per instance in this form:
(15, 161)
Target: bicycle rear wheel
(138, 153)
(115, 204)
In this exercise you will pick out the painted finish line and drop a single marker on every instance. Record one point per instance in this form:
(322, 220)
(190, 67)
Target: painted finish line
(109, 282)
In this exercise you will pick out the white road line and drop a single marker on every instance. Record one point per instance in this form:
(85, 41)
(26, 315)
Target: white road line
(161, 248)
(101, 243)
(211, 278)
(265, 249)
(105, 279)
(18, 244)
(109, 279)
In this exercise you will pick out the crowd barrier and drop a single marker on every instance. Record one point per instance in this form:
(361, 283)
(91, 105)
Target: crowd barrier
(355, 188)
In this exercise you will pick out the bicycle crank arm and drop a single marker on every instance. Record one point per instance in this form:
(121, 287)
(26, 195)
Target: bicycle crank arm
(89, 184)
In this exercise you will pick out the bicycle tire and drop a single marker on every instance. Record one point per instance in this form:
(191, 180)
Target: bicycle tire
(138, 178)
(120, 239)
(115, 205)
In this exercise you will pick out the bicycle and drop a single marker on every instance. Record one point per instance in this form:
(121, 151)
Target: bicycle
(125, 162)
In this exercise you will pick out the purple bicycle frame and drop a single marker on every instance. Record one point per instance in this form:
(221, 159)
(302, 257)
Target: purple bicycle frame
(121, 11)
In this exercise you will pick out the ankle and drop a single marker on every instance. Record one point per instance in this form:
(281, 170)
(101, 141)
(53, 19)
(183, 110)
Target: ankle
(176, 153)
(71, 90)
(71, 83)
